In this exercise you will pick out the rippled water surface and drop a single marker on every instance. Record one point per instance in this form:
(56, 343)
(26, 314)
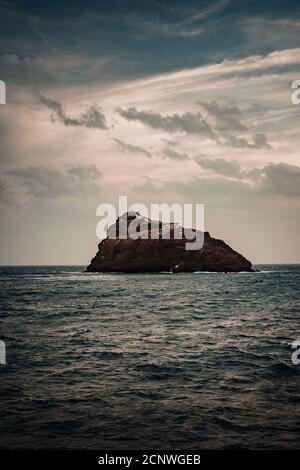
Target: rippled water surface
(149, 361)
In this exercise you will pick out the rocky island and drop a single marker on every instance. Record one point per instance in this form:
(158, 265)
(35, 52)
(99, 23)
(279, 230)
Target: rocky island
(155, 255)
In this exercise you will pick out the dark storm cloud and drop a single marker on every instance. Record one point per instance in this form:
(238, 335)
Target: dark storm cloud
(188, 122)
(42, 182)
(227, 117)
(220, 166)
(93, 117)
(129, 148)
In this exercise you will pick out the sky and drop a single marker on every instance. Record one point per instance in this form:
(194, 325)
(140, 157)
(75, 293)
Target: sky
(162, 101)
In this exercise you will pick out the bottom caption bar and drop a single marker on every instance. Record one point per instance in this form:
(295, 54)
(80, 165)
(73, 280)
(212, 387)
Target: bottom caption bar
(137, 459)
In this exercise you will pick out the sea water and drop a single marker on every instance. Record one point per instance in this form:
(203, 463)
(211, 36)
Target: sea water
(150, 361)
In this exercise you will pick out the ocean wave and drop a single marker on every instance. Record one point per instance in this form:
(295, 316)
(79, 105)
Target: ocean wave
(149, 360)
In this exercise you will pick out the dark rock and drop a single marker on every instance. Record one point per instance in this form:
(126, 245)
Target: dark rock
(156, 255)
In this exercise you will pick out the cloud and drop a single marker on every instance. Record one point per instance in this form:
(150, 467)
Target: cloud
(6, 196)
(274, 179)
(188, 122)
(229, 72)
(177, 22)
(279, 179)
(194, 124)
(92, 118)
(173, 29)
(269, 32)
(221, 166)
(53, 70)
(173, 155)
(227, 117)
(85, 171)
(259, 142)
(282, 178)
(42, 182)
(132, 148)
(221, 190)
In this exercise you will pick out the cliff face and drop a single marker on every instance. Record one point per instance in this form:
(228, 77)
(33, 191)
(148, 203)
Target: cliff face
(156, 255)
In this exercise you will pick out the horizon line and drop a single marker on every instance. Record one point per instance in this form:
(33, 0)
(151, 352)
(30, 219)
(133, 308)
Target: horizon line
(71, 265)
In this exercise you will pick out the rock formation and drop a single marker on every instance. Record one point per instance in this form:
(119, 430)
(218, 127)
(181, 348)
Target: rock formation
(156, 255)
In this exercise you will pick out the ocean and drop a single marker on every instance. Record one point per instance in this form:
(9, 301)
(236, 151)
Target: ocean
(149, 361)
